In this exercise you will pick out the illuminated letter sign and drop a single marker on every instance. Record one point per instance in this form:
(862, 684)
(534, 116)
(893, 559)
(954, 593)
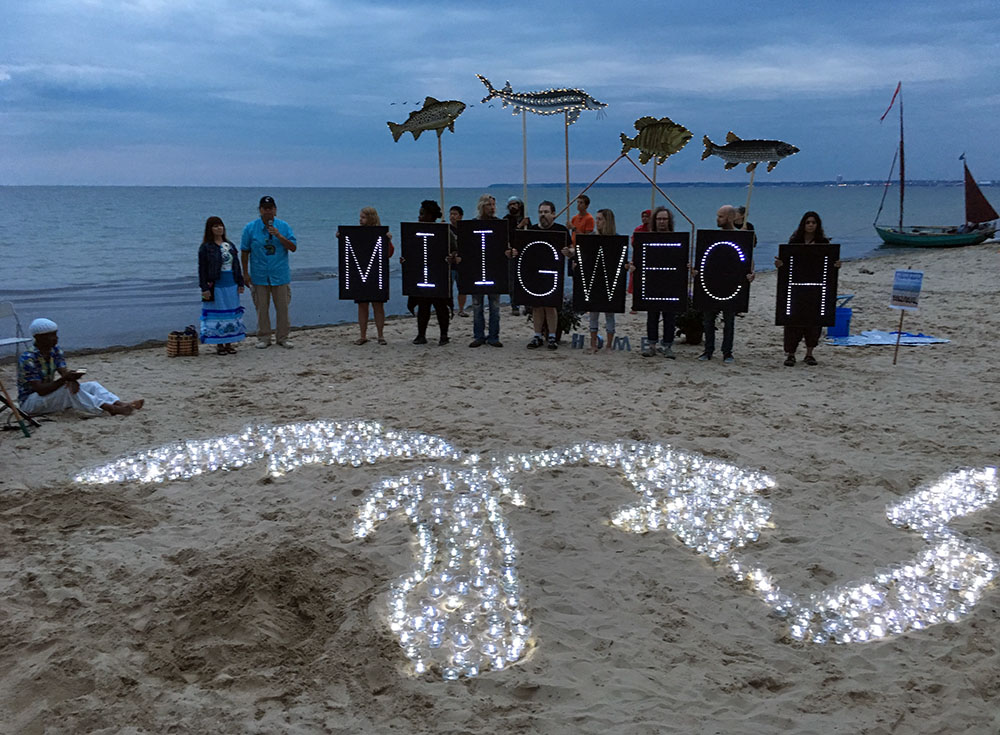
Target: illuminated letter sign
(601, 274)
(662, 261)
(539, 267)
(481, 246)
(722, 261)
(363, 255)
(425, 266)
(807, 285)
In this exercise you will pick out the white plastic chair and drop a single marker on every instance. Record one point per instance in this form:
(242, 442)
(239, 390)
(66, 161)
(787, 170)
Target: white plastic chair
(7, 312)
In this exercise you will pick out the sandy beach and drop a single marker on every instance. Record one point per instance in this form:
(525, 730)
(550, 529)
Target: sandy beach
(237, 602)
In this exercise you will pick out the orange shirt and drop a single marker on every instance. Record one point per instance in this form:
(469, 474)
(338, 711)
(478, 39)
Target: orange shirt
(583, 224)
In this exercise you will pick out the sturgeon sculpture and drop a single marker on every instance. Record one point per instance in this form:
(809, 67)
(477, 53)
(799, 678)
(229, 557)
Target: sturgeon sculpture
(546, 102)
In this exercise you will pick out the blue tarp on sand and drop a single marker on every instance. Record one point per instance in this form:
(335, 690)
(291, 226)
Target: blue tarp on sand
(878, 337)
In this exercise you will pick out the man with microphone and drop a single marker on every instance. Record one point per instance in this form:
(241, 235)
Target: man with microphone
(266, 243)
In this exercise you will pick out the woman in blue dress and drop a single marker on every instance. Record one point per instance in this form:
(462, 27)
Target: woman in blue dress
(221, 282)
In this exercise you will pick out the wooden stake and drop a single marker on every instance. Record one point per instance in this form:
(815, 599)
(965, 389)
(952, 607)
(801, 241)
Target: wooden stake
(899, 335)
(566, 130)
(17, 414)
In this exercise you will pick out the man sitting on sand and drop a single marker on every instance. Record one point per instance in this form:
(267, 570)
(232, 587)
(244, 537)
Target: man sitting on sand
(45, 385)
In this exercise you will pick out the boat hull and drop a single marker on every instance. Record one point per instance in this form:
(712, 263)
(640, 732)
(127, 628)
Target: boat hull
(916, 237)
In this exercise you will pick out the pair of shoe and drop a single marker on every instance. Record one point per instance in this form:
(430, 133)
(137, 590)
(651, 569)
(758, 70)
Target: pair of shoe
(790, 361)
(420, 340)
(705, 357)
(728, 359)
(668, 352)
(649, 351)
(286, 344)
(361, 341)
(381, 341)
(535, 343)
(477, 343)
(810, 360)
(443, 341)
(498, 343)
(263, 344)
(553, 345)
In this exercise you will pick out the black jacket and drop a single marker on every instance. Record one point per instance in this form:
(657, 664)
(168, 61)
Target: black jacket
(210, 266)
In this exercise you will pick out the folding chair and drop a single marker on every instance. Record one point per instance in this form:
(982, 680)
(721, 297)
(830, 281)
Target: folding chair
(6, 312)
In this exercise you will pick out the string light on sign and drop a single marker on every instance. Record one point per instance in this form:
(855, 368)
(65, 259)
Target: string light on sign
(482, 246)
(822, 284)
(352, 257)
(599, 267)
(553, 273)
(704, 260)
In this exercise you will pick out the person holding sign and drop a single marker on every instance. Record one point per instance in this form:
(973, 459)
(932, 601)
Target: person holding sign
(661, 220)
(725, 219)
(605, 225)
(369, 218)
(809, 231)
(545, 317)
(430, 211)
(486, 209)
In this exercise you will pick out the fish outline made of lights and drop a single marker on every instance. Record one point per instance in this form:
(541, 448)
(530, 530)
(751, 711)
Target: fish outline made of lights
(656, 138)
(712, 507)
(434, 115)
(545, 102)
(750, 152)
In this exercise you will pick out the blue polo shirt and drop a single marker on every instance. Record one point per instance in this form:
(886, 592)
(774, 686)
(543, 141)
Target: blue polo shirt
(268, 257)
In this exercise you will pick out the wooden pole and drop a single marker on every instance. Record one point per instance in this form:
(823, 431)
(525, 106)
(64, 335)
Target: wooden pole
(444, 207)
(899, 335)
(524, 156)
(652, 189)
(599, 176)
(566, 130)
(746, 215)
(662, 193)
(17, 414)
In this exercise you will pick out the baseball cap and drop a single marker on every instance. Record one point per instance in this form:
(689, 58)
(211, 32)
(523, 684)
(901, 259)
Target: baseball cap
(266, 202)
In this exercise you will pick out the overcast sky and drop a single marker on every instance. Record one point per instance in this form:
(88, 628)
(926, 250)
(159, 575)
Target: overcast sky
(298, 92)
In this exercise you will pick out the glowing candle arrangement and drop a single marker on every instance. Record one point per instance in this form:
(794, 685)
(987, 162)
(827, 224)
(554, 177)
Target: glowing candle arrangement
(462, 612)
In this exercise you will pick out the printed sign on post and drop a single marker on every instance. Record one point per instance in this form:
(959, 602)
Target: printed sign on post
(481, 246)
(363, 258)
(601, 273)
(906, 289)
(424, 255)
(538, 267)
(807, 286)
(722, 261)
(661, 260)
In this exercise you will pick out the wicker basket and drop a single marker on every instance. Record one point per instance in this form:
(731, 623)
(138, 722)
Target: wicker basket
(182, 345)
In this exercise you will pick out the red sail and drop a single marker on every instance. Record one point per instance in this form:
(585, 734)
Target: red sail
(977, 208)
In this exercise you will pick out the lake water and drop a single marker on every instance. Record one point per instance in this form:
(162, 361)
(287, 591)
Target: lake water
(118, 265)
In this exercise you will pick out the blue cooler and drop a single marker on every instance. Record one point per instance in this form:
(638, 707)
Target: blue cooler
(842, 325)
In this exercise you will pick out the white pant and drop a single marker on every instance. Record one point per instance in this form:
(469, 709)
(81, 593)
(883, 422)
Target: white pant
(89, 399)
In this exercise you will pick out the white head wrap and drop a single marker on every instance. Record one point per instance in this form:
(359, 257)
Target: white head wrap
(42, 326)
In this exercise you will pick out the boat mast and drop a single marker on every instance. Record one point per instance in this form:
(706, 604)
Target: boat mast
(902, 160)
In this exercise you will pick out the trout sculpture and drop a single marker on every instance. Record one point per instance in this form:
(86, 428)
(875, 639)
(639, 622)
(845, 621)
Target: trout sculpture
(434, 115)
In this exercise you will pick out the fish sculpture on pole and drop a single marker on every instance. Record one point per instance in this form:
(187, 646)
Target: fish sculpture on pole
(750, 152)
(434, 115)
(546, 102)
(657, 138)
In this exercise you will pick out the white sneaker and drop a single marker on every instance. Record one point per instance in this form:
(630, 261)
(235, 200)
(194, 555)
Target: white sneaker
(263, 344)
(286, 344)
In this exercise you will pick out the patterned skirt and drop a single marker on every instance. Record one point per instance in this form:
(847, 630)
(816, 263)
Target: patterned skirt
(222, 319)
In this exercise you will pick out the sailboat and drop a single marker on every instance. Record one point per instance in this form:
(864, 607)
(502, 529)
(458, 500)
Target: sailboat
(980, 217)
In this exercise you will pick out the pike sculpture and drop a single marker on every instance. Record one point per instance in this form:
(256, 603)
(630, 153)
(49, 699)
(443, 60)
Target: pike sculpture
(750, 152)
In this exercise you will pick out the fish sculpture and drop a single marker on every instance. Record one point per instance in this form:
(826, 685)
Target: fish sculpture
(660, 138)
(750, 152)
(434, 115)
(547, 102)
